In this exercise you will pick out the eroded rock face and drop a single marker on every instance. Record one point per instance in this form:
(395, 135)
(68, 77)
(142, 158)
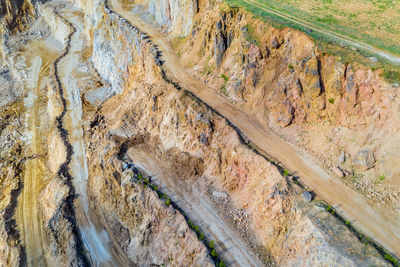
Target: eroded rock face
(280, 78)
(160, 128)
(16, 14)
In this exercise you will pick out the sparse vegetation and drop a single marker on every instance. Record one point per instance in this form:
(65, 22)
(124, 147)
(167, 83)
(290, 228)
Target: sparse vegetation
(213, 253)
(285, 172)
(381, 177)
(251, 35)
(290, 66)
(331, 100)
(168, 202)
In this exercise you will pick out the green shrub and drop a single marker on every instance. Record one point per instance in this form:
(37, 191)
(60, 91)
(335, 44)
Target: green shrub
(221, 264)
(223, 76)
(328, 208)
(201, 236)
(331, 100)
(168, 202)
(211, 244)
(154, 187)
(347, 222)
(213, 253)
(285, 172)
(290, 66)
(140, 176)
(381, 177)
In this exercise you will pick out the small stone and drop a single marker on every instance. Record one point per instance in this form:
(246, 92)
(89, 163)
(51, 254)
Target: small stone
(342, 157)
(204, 139)
(219, 194)
(307, 196)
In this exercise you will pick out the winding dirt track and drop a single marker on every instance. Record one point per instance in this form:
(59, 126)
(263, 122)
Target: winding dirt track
(382, 225)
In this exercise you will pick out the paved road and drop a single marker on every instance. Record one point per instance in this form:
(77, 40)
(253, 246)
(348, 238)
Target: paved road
(382, 225)
(334, 35)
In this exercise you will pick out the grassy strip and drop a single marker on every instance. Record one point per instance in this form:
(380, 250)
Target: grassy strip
(328, 44)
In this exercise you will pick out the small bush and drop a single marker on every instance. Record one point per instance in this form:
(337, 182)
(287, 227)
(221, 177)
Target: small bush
(331, 100)
(328, 208)
(223, 76)
(290, 66)
(154, 187)
(140, 176)
(347, 222)
(221, 264)
(201, 236)
(168, 202)
(381, 177)
(211, 244)
(213, 253)
(285, 172)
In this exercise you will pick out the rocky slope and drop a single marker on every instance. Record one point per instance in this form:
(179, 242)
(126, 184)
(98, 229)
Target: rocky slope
(85, 98)
(344, 114)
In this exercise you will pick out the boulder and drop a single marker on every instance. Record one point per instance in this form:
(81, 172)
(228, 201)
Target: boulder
(338, 171)
(364, 160)
(307, 196)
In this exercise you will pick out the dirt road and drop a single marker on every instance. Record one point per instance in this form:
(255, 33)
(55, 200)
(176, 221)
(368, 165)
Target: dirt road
(382, 225)
(40, 56)
(334, 35)
(229, 244)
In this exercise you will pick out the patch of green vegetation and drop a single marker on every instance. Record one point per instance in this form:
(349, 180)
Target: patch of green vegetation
(393, 260)
(347, 222)
(213, 253)
(381, 177)
(391, 75)
(290, 66)
(251, 35)
(223, 76)
(285, 172)
(211, 244)
(331, 100)
(168, 202)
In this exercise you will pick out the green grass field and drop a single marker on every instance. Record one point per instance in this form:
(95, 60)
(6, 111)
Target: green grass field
(373, 22)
